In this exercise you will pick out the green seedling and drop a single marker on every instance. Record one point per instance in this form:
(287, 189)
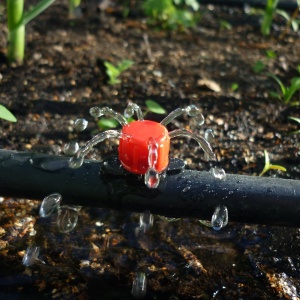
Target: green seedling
(73, 8)
(234, 87)
(269, 13)
(296, 120)
(113, 72)
(287, 92)
(291, 19)
(271, 54)
(6, 114)
(16, 22)
(268, 166)
(152, 106)
(224, 25)
(172, 14)
(258, 67)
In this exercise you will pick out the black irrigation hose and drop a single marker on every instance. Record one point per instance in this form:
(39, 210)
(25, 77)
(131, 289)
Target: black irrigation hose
(285, 5)
(182, 193)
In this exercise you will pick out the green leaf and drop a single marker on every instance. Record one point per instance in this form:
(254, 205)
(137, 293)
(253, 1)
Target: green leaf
(295, 119)
(274, 95)
(194, 4)
(269, 166)
(111, 69)
(155, 107)
(282, 87)
(295, 25)
(270, 54)
(294, 103)
(284, 14)
(113, 72)
(225, 25)
(258, 67)
(277, 167)
(36, 10)
(294, 87)
(234, 87)
(6, 114)
(107, 123)
(124, 65)
(268, 16)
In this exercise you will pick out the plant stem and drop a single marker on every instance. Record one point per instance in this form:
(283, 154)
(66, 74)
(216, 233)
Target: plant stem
(16, 31)
(73, 5)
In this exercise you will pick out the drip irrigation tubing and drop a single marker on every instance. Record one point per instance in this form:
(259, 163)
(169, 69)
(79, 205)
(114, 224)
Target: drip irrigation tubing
(181, 193)
(284, 5)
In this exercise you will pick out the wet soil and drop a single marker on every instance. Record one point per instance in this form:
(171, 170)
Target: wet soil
(63, 76)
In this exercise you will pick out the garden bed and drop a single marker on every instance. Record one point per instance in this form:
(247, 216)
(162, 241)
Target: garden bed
(64, 76)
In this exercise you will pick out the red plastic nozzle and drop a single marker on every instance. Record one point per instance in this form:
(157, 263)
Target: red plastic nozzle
(133, 147)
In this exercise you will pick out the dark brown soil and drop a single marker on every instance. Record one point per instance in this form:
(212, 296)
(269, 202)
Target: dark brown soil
(63, 76)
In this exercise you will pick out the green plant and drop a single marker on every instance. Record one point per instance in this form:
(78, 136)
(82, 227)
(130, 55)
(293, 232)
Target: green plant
(113, 72)
(268, 166)
(6, 114)
(172, 14)
(16, 22)
(292, 20)
(269, 13)
(224, 25)
(271, 54)
(287, 92)
(258, 67)
(73, 7)
(268, 16)
(234, 87)
(297, 120)
(152, 106)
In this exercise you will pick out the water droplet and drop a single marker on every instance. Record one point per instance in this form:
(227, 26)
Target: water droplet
(71, 148)
(75, 162)
(80, 124)
(180, 178)
(152, 152)
(152, 178)
(67, 219)
(218, 173)
(32, 232)
(192, 110)
(199, 119)
(128, 112)
(31, 255)
(146, 221)
(186, 189)
(96, 112)
(220, 217)
(139, 286)
(209, 135)
(49, 205)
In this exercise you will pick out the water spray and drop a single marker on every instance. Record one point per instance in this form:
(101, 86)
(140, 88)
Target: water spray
(144, 178)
